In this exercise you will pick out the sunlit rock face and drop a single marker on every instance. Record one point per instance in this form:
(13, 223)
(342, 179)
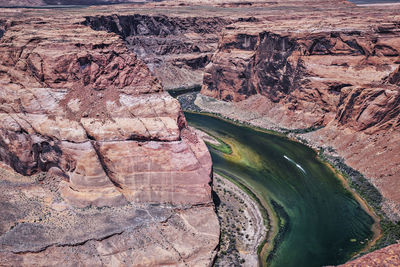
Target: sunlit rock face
(102, 168)
(94, 111)
(337, 68)
(313, 75)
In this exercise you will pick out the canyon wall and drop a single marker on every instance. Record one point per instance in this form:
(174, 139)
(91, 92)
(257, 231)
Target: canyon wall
(316, 73)
(175, 48)
(102, 166)
(98, 166)
(338, 75)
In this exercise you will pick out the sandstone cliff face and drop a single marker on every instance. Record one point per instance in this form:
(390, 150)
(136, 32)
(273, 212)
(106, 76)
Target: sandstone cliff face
(72, 110)
(100, 146)
(176, 49)
(308, 72)
(321, 75)
(114, 173)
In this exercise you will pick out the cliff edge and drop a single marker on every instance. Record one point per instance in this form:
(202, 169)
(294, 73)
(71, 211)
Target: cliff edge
(102, 167)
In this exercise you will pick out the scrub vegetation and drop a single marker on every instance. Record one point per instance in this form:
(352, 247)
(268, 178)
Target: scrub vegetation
(390, 231)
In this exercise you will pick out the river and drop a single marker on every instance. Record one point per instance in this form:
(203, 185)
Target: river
(320, 222)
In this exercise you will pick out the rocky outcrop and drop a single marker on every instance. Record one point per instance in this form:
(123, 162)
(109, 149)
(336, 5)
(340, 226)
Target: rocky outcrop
(175, 48)
(294, 68)
(389, 256)
(38, 228)
(98, 143)
(320, 74)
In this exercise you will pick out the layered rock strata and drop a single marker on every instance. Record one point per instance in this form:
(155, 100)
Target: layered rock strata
(329, 70)
(297, 64)
(39, 228)
(100, 146)
(175, 48)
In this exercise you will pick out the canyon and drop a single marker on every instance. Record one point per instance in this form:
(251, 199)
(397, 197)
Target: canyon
(88, 135)
(305, 203)
(341, 79)
(175, 49)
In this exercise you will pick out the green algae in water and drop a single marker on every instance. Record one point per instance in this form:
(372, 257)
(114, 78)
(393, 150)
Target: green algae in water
(321, 219)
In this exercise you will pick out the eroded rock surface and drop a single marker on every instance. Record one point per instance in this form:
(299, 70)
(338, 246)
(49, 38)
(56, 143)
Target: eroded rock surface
(389, 256)
(175, 48)
(38, 228)
(76, 104)
(337, 69)
(104, 168)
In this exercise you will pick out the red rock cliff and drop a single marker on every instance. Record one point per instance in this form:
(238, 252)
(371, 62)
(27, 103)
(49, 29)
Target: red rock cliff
(175, 47)
(97, 141)
(329, 69)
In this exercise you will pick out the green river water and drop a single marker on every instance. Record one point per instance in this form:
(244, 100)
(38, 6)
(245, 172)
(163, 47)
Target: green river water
(320, 221)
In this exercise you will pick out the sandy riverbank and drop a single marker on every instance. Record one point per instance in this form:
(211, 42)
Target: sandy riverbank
(233, 111)
(242, 225)
(267, 221)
